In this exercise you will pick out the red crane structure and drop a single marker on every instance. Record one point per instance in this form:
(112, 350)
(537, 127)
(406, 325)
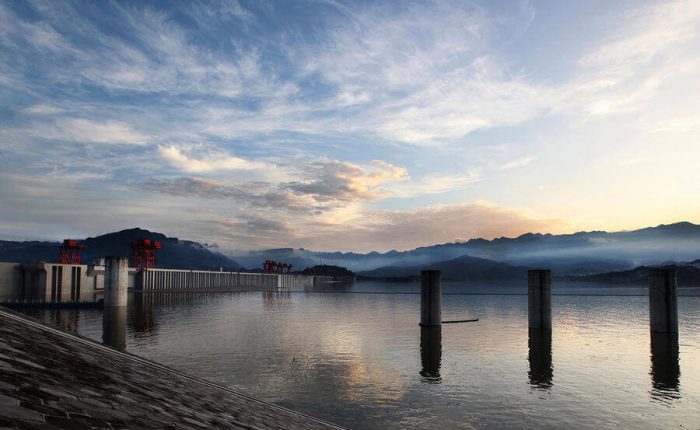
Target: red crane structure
(271, 266)
(144, 253)
(69, 252)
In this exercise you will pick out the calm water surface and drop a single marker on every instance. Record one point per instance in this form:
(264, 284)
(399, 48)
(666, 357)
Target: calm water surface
(356, 356)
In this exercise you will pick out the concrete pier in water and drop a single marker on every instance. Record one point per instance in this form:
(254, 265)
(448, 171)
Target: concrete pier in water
(430, 298)
(663, 305)
(116, 281)
(539, 299)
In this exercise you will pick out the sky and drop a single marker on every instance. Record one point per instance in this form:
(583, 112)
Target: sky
(351, 126)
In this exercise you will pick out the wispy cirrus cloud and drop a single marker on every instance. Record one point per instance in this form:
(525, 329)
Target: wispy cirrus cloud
(519, 162)
(87, 131)
(433, 184)
(210, 162)
(649, 49)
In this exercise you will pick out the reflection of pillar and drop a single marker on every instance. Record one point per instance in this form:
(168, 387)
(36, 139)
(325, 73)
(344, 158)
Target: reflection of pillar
(141, 315)
(114, 327)
(665, 369)
(430, 353)
(540, 358)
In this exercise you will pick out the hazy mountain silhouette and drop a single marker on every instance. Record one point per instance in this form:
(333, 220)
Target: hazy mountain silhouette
(175, 253)
(464, 268)
(580, 253)
(688, 274)
(577, 253)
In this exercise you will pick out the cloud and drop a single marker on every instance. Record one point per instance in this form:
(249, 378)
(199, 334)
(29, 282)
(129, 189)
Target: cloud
(209, 163)
(241, 108)
(385, 230)
(677, 124)
(326, 186)
(650, 48)
(520, 162)
(423, 74)
(338, 181)
(87, 131)
(645, 33)
(424, 226)
(432, 184)
(256, 196)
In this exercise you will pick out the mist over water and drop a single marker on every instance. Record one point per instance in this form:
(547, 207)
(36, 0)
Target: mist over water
(355, 355)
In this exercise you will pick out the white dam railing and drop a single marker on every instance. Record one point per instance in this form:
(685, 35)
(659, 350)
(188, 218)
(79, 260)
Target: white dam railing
(206, 280)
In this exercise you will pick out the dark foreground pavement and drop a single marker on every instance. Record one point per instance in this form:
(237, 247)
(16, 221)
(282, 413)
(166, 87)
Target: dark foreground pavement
(52, 379)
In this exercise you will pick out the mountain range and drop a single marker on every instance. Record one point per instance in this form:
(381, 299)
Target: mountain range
(464, 268)
(688, 274)
(175, 253)
(578, 254)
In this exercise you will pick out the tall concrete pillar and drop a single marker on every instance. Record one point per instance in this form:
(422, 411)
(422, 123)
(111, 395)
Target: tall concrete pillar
(663, 307)
(539, 299)
(430, 298)
(116, 281)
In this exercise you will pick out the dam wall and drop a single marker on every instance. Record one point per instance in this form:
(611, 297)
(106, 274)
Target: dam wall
(175, 280)
(11, 280)
(72, 283)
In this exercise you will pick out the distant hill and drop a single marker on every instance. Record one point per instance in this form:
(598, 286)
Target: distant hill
(326, 270)
(688, 275)
(464, 268)
(175, 253)
(580, 253)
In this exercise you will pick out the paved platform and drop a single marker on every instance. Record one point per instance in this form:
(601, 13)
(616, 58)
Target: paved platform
(52, 379)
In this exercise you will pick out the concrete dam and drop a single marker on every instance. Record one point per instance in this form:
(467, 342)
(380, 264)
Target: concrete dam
(170, 280)
(67, 283)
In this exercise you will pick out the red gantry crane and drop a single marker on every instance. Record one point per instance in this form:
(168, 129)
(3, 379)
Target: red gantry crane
(144, 253)
(271, 266)
(69, 252)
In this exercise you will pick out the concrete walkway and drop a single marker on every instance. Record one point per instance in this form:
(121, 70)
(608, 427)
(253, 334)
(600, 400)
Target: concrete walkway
(52, 379)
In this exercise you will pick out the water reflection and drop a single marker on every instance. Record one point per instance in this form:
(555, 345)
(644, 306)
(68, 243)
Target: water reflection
(540, 358)
(67, 319)
(352, 359)
(141, 318)
(431, 353)
(665, 367)
(276, 298)
(114, 327)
